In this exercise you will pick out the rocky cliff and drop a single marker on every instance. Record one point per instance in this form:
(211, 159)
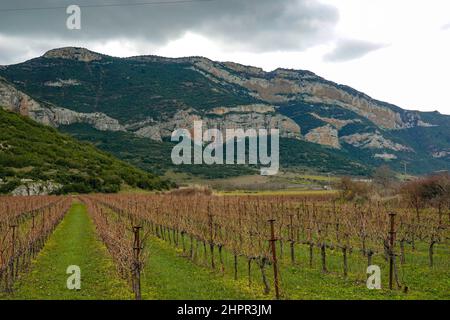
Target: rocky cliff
(150, 96)
(14, 100)
(258, 116)
(283, 85)
(222, 118)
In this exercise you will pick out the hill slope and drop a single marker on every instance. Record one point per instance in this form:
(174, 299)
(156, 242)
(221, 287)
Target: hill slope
(41, 158)
(147, 97)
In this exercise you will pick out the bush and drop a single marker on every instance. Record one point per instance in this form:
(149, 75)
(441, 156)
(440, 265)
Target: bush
(353, 190)
(432, 190)
(9, 186)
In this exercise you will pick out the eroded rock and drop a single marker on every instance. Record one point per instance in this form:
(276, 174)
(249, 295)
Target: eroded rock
(326, 135)
(373, 141)
(36, 188)
(72, 53)
(385, 156)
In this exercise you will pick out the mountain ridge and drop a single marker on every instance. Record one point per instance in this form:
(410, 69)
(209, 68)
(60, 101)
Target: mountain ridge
(248, 67)
(150, 96)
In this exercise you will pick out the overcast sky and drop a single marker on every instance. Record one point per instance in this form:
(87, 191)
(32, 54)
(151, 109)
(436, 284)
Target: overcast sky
(394, 50)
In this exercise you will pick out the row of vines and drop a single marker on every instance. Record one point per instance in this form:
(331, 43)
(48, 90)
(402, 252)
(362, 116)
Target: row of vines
(25, 225)
(263, 231)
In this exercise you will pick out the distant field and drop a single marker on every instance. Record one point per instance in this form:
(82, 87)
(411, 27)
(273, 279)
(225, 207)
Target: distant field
(300, 192)
(289, 182)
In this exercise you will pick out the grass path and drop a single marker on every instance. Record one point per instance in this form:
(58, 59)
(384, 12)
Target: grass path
(74, 242)
(168, 275)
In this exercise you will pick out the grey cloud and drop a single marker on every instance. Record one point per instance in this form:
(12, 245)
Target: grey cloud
(251, 25)
(446, 26)
(350, 49)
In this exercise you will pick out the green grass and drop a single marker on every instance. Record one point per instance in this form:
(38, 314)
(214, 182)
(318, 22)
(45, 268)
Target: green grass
(176, 277)
(299, 281)
(312, 177)
(74, 242)
(169, 275)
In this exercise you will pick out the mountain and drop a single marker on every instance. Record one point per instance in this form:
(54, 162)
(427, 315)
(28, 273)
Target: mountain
(140, 100)
(37, 159)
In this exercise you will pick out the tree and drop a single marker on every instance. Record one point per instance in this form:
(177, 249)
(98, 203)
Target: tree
(384, 179)
(351, 190)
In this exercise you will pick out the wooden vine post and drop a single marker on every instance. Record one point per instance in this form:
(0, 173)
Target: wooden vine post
(136, 263)
(291, 238)
(211, 237)
(391, 248)
(13, 253)
(274, 257)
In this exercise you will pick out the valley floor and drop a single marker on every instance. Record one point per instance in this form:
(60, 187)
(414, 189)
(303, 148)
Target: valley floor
(168, 274)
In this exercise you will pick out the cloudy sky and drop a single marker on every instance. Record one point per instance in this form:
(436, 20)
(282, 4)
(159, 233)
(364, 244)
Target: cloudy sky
(393, 50)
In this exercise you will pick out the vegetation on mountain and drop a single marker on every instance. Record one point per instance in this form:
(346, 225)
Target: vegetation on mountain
(144, 93)
(155, 156)
(126, 90)
(31, 151)
(149, 155)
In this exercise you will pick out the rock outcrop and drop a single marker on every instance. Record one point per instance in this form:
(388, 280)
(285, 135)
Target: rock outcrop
(17, 101)
(254, 116)
(72, 53)
(252, 108)
(326, 135)
(284, 85)
(242, 117)
(14, 100)
(98, 120)
(337, 123)
(440, 154)
(62, 83)
(32, 188)
(385, 156)
(373, 141)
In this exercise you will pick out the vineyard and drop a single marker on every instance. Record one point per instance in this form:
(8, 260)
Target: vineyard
(25, 225)
(277, 245)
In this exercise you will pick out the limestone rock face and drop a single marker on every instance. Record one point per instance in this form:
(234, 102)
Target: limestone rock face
(98, 120)
(268, 100)
(243, 117)
(255, 116)
(284, 85)
(441, 154)
(385, 156)
(373, 141)
(14, 100)
(72, 53)
(326, 135)
(62, 83)
(36, 188)
(337, 123)
(252, 108)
